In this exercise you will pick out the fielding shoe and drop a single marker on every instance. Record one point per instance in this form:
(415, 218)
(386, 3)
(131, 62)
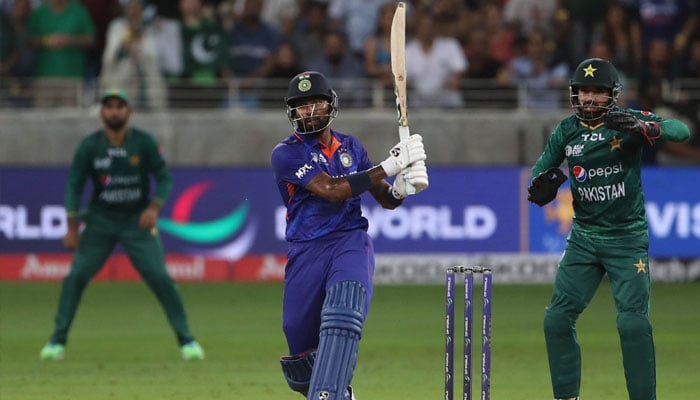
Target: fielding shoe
(53, 351)
(192, 351)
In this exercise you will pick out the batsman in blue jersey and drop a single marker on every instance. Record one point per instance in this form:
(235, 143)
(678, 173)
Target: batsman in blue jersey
(320, 174)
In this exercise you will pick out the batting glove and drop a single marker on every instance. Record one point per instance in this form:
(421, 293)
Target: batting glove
(416, 175)
(545, 186)
(404, 154)
(625, 122)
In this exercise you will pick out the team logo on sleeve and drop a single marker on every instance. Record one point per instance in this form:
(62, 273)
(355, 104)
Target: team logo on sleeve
(580, 173)
(346, 160)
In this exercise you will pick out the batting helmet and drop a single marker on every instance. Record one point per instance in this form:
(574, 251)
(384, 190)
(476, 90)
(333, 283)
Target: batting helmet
(310, 85)
(594, 72)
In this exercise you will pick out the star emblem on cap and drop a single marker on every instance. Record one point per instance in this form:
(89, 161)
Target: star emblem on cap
(589, 70)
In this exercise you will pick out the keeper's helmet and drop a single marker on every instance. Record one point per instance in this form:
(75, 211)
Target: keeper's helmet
(310, 85)
(594, 72)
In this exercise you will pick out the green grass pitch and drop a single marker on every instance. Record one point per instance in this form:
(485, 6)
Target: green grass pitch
(121, 347)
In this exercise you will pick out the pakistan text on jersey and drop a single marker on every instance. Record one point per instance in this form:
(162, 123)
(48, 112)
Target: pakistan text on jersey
(602, 193)
(120, 195)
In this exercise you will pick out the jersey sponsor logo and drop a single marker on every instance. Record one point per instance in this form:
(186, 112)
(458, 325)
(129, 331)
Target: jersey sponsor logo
(593, 137)
(107, 180)
(121, 195)
(579, 173)
(303, 170)
(117, 152)
(602, 193)
(574, 151)
(102, 163)
(582, 174)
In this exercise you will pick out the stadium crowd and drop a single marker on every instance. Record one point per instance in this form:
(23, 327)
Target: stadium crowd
(196, 53)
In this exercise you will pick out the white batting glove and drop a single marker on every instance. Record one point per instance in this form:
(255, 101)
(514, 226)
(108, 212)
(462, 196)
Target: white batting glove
(416, 174)
(404, 154)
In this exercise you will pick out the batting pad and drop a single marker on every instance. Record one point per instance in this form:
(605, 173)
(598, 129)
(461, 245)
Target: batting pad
(342, 318)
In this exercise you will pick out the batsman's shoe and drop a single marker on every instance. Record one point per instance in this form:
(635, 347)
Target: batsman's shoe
(53, 351)
(192, 351)
(349, 394)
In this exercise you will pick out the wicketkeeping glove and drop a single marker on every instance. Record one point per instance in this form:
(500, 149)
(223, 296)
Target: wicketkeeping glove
(404, 154)
(416, 174)
(625, 122)
(543, 188)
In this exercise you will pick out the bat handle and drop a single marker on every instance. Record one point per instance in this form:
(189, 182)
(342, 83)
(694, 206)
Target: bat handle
(404, 133)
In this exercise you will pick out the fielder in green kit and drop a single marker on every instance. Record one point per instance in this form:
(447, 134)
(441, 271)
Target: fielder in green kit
(119, 161)
(602, 145)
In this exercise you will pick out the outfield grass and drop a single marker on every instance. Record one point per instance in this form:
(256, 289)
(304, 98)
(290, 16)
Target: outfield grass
(121, 347)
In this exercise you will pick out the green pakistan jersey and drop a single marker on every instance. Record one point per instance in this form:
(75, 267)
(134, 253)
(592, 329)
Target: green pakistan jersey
(119, 174)
(605, 172)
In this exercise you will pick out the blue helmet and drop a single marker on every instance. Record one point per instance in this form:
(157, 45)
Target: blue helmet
(310, 85)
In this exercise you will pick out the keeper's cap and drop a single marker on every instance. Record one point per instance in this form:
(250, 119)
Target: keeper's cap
(115, 93)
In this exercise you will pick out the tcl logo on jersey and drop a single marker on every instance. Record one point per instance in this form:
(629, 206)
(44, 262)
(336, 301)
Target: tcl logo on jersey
(303, 170)
(593, 137)
(582, 174)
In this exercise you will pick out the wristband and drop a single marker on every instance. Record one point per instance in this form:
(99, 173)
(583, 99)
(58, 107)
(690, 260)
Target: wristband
(359, 182)
(391, 199)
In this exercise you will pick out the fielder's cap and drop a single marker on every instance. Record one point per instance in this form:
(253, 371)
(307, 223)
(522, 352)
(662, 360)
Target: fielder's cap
(115, 93)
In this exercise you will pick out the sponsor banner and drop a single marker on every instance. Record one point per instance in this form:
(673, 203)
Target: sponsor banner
(231, 213)
(672, 208)
(53, 267)
(507, 268)
(390, 268)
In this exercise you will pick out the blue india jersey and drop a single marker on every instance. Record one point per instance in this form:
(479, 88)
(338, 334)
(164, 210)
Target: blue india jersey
(295, 161)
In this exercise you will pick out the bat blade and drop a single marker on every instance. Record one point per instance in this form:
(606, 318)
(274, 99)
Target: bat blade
(398, 69)
(398, 61)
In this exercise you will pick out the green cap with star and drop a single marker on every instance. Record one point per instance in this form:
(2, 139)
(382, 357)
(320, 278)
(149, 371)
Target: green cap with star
(115, 93)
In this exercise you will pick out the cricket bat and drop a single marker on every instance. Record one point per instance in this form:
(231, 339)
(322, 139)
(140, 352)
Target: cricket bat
(398, 69)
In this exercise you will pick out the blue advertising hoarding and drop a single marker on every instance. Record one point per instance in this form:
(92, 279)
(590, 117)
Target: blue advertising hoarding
(229, 212)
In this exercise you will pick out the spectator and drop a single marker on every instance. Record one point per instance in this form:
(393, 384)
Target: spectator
(542, 80)
(130, 59)
(62, 32)
(671, 20)
(447, 15)
(526, 16)
(435, 67)
(310, 30)
(9, 54)
(343, 69)
(252, 47)
(279, 14)
(253, 43)
(357, 19)
(617, 32)
(482, 65)
(205, 52)
(691, 65)
(102, 12)
(287, 64)
(377, 55)
(581, 18)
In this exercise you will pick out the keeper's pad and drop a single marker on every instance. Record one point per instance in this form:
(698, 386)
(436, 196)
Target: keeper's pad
(342, 319)
(297, 370)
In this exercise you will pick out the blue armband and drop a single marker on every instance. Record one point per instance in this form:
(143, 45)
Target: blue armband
(359, 182)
